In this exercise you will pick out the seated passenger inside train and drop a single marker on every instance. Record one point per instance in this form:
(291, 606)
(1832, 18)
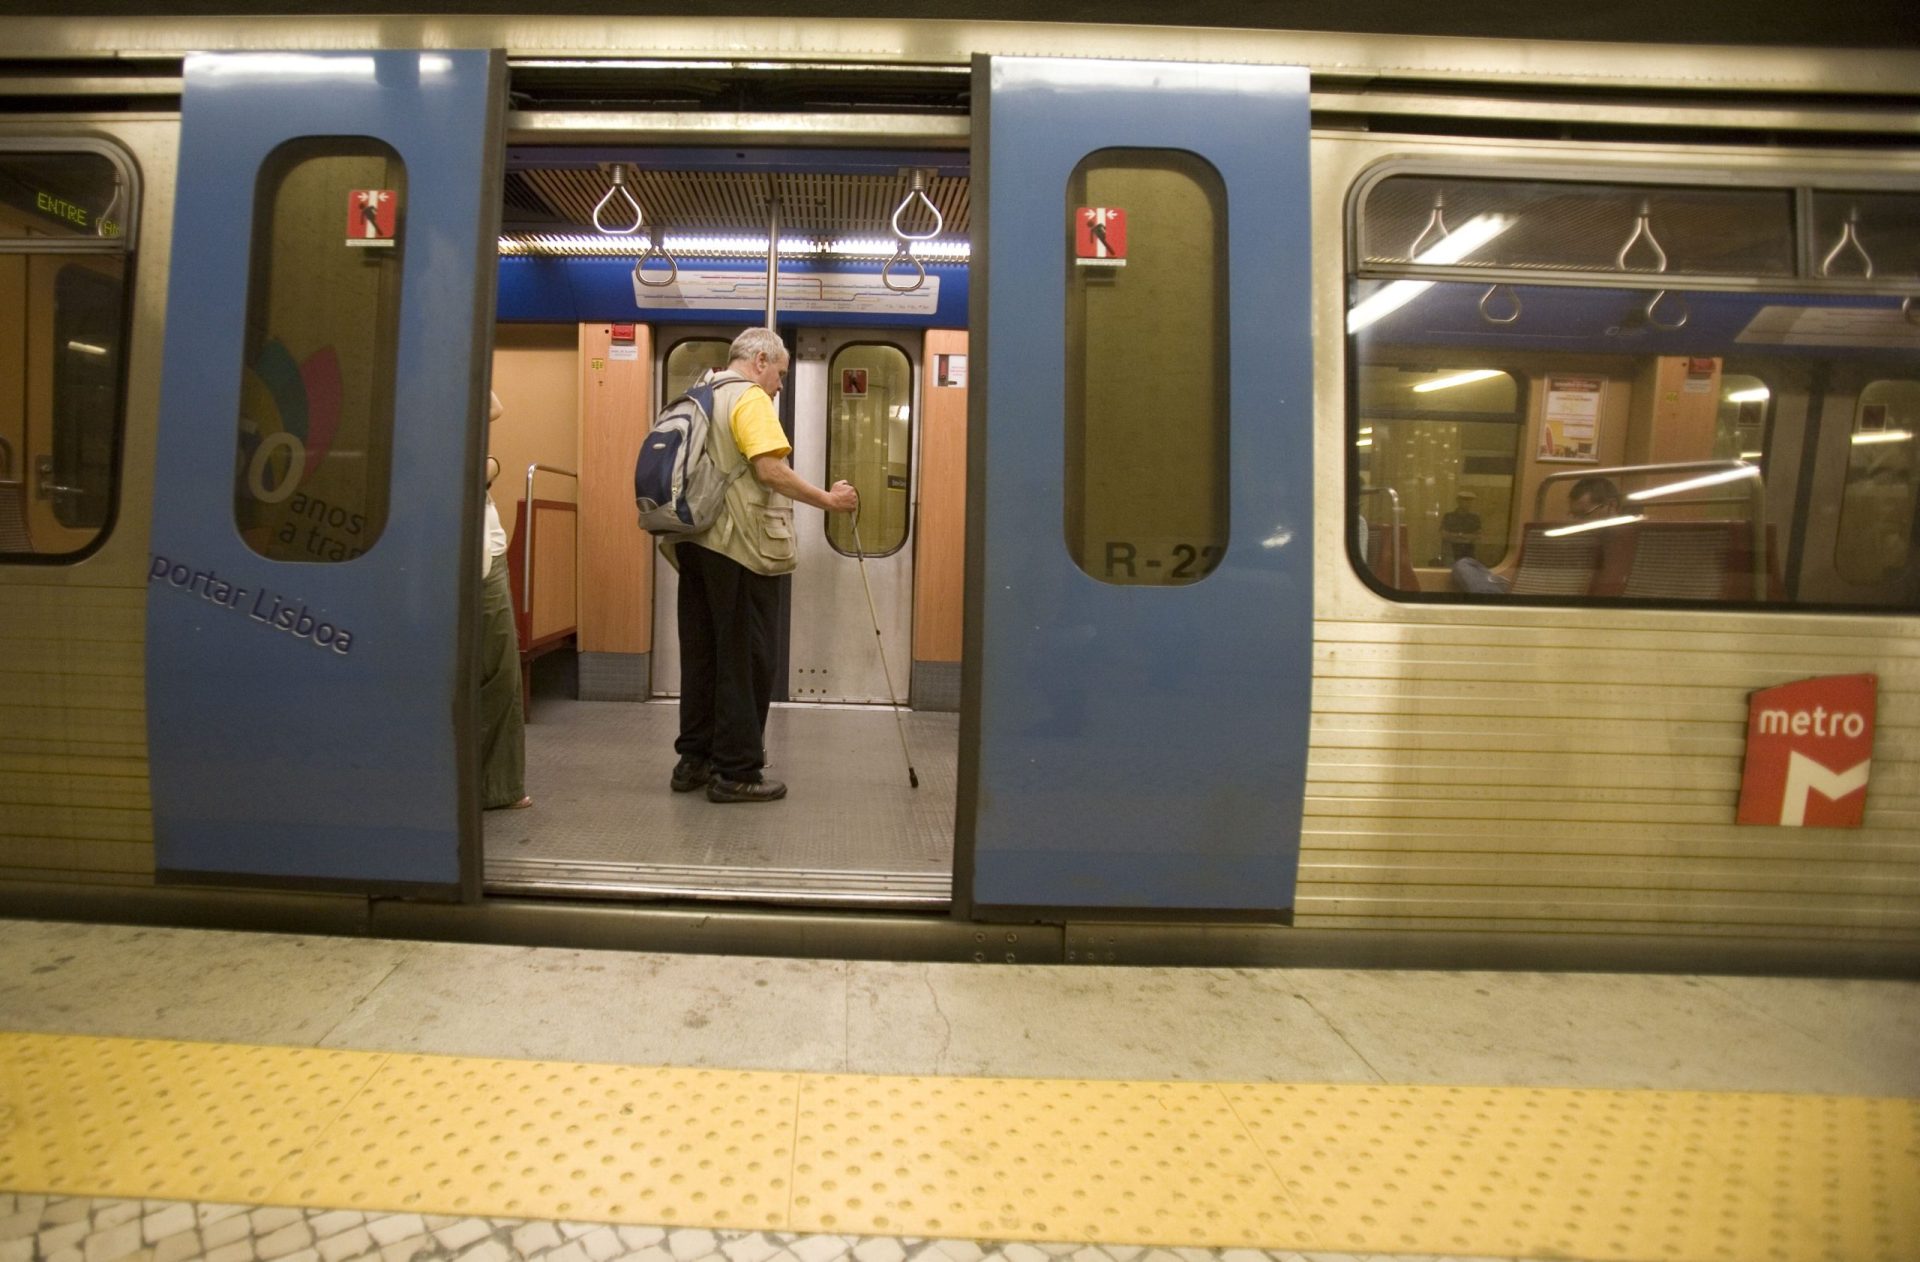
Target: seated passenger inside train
(1591, 500)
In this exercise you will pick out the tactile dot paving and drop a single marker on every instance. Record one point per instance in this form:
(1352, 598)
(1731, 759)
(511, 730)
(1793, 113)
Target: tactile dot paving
(1031, 1159)
(1641, 1175)
(528, 1139)
(1687, 1176)
(152, 1118)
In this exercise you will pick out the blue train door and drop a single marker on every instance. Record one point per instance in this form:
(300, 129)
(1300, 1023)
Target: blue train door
(1140, 587)
(315, 549)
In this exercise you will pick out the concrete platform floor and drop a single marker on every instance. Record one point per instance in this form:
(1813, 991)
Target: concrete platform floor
(1707, 1034)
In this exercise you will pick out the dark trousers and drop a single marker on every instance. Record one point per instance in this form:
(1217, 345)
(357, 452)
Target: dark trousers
(727, 614)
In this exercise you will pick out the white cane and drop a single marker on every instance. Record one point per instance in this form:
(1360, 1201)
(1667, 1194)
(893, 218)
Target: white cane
(900, 724)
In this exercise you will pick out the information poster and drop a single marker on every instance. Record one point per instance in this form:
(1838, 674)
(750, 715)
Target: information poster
(1570, 421)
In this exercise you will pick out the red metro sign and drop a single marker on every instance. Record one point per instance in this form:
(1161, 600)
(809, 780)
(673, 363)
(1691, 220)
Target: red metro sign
(1809, 749)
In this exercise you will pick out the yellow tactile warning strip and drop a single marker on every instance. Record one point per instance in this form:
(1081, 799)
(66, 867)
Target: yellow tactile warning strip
(1491, 1171)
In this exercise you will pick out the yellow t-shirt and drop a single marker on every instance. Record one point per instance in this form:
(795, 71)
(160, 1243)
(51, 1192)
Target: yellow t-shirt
(756, 426)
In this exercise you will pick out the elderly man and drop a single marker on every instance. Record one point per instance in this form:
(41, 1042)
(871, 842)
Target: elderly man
(729, 593)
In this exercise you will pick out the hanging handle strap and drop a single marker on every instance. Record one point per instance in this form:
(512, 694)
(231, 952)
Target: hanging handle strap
(656, 247)
(1436, 222)
(1513, 296)
(918, 193)
(1849, 236)
(1642, 229)
(903, 240)
(618, 190)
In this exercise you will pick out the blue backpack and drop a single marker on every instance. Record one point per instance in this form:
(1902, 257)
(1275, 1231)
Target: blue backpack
(677, 484)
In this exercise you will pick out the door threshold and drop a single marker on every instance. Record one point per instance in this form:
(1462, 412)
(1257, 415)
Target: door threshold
(651, 882)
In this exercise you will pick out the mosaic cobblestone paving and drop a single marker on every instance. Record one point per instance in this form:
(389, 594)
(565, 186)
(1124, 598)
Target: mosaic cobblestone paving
(88, 1229)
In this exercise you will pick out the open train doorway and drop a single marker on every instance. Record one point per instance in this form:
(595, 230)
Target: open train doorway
(864, 727)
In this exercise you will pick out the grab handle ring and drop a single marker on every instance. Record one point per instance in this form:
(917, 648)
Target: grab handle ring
(1656, 321)
(619, 189)
(1849, 236)
(919, 270)
(1642, 227)
(673, 265)
(1908, 311)
(1436, 222)
(917, 192)
(1513, 295)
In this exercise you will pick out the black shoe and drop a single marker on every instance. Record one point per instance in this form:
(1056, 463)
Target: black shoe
(690, 773)
(763, 790)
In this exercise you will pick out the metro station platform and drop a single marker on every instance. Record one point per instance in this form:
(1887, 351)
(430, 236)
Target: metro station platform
(173, 1094)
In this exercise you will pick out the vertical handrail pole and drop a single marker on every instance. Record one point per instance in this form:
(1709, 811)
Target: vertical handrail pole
(773, 260)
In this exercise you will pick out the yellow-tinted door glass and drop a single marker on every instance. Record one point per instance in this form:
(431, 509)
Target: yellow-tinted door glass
(869, 443)
(1877, 506)
(687, 360)
(314, 456)
(1146, 368)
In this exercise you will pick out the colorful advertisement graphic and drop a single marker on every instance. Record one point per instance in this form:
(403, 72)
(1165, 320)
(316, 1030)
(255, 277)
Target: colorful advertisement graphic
(290, 417)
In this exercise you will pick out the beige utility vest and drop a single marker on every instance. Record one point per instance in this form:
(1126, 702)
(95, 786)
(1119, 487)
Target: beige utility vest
(755, 527)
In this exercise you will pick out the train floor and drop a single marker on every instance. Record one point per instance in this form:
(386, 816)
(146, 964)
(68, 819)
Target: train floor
(852, 831)
(169, 1094)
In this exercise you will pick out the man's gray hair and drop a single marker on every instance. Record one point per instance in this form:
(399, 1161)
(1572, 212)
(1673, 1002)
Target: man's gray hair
(753, 342)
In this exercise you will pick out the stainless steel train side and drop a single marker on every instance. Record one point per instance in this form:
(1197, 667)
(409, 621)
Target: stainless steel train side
(1488, 784)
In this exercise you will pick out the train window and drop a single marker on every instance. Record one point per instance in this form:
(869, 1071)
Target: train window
(1146, 368)
(1539, 344)
(687, 360)
(1875, 541)
(313, 454)
(1437, 450)
(66, 232)
(1479, 223)
(61, 195)
(86, 376)
(869, 443)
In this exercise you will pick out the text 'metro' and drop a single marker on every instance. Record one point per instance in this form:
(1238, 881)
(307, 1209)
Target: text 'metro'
(1809, 752)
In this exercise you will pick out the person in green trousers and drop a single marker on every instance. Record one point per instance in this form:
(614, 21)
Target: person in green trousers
(503, 743)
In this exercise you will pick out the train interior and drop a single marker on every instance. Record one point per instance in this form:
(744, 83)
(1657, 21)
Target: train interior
(864, 728)
(1755, 445)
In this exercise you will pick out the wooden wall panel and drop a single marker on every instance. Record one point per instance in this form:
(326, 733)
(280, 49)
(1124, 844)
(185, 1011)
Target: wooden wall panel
(940, 551)
(536, 373)
(555, 565)
(616, 556)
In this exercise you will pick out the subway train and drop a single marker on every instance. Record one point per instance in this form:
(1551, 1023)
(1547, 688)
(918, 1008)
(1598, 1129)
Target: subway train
(1325, 497)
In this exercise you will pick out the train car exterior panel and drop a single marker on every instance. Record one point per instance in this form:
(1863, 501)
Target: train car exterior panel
(1501, 770)
(1528, 773)
(73, 732)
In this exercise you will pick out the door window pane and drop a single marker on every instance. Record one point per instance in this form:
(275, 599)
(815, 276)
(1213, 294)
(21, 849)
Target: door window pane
(1877, 505)
(687, 360)
(313, 459)
(870, 444)
(1147, 396)
(64, 246)
(1740, 428)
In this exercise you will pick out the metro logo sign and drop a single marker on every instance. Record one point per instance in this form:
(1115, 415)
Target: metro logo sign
(1809, 750)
